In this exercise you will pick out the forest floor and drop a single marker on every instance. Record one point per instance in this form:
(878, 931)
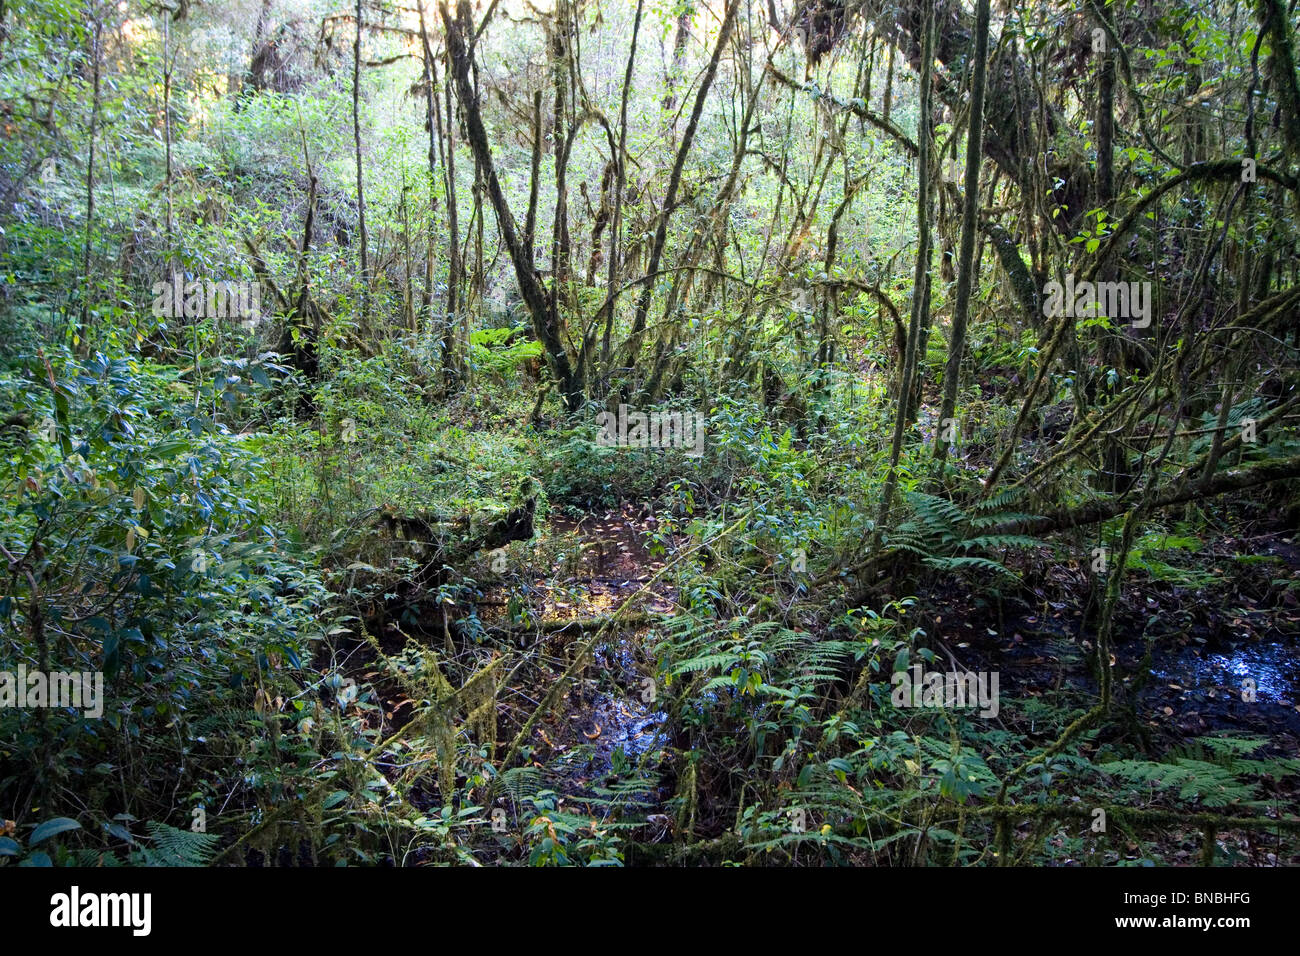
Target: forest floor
(607, 737)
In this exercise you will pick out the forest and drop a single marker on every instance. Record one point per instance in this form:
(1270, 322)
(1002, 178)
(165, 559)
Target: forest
(649, 433)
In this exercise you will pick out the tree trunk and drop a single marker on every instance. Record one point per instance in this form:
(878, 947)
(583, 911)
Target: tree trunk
(1275, 20)
(620, 181)
(451, 364)
(633, 347)
(96, 34)
(430, 99)
(1011, 110)
(920, 280)
(966, 255)
(356, 138)
(540, 306)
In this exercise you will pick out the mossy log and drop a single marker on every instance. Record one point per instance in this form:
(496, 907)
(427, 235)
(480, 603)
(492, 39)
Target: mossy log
(411, 553)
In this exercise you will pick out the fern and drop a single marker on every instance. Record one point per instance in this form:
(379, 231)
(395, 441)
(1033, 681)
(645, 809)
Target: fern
(823, 659)
(969, 561)
(994, 518)
(520, 782)
(1195, 780)
(939, 531)
(1214, 771)
(1229, 747)
(703, 663)
(999, 501)
(1001, 542)
(173, 847)
(937, 520)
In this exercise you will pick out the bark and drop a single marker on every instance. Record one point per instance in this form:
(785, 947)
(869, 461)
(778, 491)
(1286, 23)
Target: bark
(620, 182)
(1011, 103)
(437, 543)
(684, 17)
(168, 63)
(248, 86)
(966, 263)
(96, 34)
(920, 281)
(455, 264)
(1276, 22)
(535, 177)
(1235, 479)
(561, 244)
(1022, 283)
(356, 139)
(1106, 131)
(633, 347)
(539, 303)
(430, 99)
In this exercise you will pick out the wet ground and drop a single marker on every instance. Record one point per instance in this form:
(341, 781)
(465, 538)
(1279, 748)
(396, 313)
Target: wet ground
(609, 725)
(608, 731)
(1223, 659)
(1203, 658)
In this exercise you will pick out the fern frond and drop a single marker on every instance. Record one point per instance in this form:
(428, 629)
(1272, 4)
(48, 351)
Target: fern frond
(1000, 542)
(703, 663)
(170, 846)
(519, 782)
(1195, 780)
(968, 561)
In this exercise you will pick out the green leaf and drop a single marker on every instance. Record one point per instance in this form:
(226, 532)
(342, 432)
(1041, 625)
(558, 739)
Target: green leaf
(51, 828)
(61, 416)
(119, 831)
(168, 448)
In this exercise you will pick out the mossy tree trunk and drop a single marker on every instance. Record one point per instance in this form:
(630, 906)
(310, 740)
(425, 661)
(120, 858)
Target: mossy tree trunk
(966, 254)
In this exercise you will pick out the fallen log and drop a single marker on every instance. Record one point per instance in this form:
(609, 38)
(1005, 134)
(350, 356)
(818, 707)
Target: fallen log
(1095, 512)
(582, 625)
(407, 554)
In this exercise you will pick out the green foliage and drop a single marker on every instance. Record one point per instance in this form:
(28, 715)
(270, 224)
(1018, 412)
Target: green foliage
(201, 518)
(1213, 772)
(939, 529)
(169, 846)
(492, 351)
(136, 525)
(1148, 554)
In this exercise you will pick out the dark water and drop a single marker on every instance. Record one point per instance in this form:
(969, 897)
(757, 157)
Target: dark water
(1274, 667)
(628, 713)
(626, 722)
